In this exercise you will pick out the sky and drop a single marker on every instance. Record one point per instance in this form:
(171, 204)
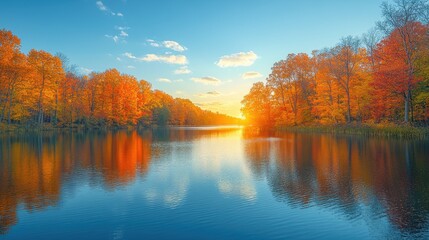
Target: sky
(210, 52)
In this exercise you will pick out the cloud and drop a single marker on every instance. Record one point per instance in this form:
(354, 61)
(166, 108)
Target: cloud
(123, 34)
(179, 80)
(130, 55)
(207, 80)
(174, 46)
(121, 28)
(182, 70)
(114, 38)
(250, 75)
(104, 8)
(101, 6)
(165, 80)
(119, 36)
(214, 93)
(241, 59)
(153, 43)
(131, 67)
(119, 59)
(209, 94)
(171, 59)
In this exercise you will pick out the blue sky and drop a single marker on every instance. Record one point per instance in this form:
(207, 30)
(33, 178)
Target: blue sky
(213, 44)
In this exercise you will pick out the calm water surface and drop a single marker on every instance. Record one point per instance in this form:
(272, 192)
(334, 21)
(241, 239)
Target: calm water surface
(212, 183)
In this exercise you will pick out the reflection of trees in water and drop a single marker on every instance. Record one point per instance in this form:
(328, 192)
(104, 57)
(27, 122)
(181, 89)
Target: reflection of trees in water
(33, 168)
(389, 176)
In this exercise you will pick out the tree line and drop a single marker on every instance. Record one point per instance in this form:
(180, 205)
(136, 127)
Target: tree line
(40, 89)
(381, 77)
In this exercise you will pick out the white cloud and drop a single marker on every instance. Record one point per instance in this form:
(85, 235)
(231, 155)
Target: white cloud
(119, 59)
(207, 80)
(182, 70)
(130, 55)
(104, 8)
(131, 67)
(101, 6)
(250, 75)
(153, 43)
(171, 59)
(179, 80)
(174, 46)
(123, 34)
(165, 80)
(241, 59)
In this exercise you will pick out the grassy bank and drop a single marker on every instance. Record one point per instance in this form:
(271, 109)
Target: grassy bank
(363, 130)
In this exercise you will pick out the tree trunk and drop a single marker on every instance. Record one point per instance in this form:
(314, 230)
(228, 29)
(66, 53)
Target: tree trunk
(407, 107)
(10, 110)
(411, 106)
(349, 120)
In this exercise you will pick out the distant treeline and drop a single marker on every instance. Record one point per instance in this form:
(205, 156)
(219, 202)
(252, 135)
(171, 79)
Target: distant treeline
(40, 89)
(380, 78)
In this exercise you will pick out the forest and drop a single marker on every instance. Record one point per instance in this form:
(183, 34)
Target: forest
(39, 89)
(379, 78)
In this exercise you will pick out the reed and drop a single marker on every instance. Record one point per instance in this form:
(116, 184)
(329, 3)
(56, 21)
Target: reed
(400, 131)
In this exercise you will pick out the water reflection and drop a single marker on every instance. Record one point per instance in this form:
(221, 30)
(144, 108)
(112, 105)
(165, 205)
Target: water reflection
(37, 169)
(34, 167)
(194, 171)
(390, 177)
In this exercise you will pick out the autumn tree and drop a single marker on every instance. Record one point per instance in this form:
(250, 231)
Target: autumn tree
(401, 23)
(13, 71)
(47, 71)
(292, 82)
(145, 103)
(257, 105)
(326, 100)
(344, 64)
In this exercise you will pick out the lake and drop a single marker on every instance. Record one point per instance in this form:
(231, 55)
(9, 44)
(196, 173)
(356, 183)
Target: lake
(211, 183)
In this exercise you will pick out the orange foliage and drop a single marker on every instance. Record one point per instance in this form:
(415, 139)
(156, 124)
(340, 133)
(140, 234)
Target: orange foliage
(345, 84)
(35, 89)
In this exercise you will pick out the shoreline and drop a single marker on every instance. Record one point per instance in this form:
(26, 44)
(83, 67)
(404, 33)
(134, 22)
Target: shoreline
(18, 128)
(400, 131)
(365, 130)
